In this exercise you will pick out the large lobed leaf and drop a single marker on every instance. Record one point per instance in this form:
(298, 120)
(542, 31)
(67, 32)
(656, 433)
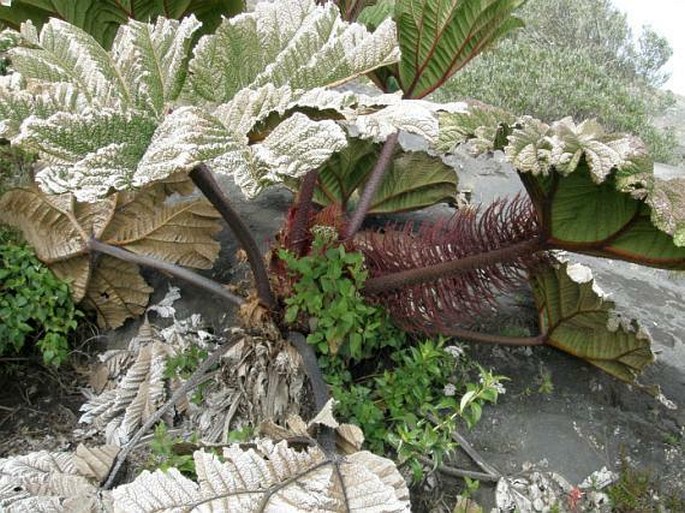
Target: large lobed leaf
(288, 42)
(439, 37)
(577, 318)
(145, 69)
(59, 228)
(271, 478)
(104, 133)
(594, 191)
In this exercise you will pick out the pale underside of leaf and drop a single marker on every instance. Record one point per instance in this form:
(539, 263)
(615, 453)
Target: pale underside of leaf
(60, 228)
(54, 225)
(272, 478)
(116, 291)
(178, 232)
(49, 482)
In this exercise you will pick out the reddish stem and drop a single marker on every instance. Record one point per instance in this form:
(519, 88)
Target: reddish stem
(487, 338)
(429, 273)
(372, 184)
(205, 181)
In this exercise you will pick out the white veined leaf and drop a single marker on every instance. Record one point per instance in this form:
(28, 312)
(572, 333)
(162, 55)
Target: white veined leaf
(291, 42)
(271, 478)
(89, 153)
(152, 59)
(536, 147)
(186, 138)
(18, 104)
(123, 410)
(49, 482)
(66, 53)
(529, 149)
(413, 116)
(296, 146)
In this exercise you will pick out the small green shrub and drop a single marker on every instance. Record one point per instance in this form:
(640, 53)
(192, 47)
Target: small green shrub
(35, 306)
(405, 397)
(182, 365)
(164, 453)
(327, 299)
(414, 407)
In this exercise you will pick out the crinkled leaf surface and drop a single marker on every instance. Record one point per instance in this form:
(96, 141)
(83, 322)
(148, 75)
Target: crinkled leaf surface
(54, 482)
(578, 319)
(99, 138)
(439, 37)
(480, 124)
(291, 42)
(145, 69)
(667, 201)
(59, 228)
(595, 193)
(271, 478)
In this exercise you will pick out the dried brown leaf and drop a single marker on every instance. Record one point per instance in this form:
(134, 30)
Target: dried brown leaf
(117, 291)
(95, 462)
(146, 222)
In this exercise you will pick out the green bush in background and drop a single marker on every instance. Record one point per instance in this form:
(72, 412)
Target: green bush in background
(576, 58)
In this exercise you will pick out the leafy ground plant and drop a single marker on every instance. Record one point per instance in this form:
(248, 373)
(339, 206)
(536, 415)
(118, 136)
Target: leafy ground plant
(35, 306)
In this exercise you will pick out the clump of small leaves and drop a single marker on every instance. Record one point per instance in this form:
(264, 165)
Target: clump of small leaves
(327, 299)
(183, 364)
(404, 396)
(35, 306)
(413, 407)
(165, 454)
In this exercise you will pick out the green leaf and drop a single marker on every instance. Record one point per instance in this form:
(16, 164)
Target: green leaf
(345, 172)
(373, 15)
(65, 53)
(292, 42)
(152, 60)
(577, 319)
(413, 181)
(595, 193)
(439, 37)
(102, 18)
